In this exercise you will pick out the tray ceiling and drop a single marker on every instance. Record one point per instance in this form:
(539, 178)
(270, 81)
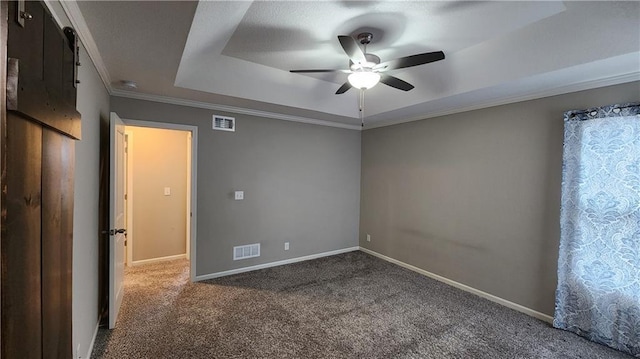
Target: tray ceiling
(238, 53)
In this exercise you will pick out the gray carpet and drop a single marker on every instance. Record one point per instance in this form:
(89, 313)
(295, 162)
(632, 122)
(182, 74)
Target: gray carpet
(346, 306)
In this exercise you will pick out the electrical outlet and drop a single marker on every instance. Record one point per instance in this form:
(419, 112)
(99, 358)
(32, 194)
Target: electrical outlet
(368, 237)
(78, 352)
(286, 246)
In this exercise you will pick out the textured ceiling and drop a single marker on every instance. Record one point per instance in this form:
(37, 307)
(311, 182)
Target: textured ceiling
(238, 53)
(301, 34)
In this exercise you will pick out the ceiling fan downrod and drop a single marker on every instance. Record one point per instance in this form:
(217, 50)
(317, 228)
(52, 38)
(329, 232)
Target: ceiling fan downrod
(365, 37)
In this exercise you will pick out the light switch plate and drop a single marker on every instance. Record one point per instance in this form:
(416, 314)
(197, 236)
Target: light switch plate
(167, 191)
(286, 246)
(239, 195)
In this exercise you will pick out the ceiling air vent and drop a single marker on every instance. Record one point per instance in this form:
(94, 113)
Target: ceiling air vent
(223, 123)
(248, 251)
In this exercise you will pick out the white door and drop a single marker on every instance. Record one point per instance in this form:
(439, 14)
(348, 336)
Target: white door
(117, 230)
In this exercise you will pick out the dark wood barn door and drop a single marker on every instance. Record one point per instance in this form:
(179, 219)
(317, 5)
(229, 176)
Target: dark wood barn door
(38, 130)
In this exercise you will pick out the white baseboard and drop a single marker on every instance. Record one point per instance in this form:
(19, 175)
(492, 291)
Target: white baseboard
(274, 264)
(491, 297)
(93, 341)
(160, 259)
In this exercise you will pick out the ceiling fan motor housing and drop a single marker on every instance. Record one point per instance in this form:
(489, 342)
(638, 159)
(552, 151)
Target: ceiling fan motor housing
(372, 60)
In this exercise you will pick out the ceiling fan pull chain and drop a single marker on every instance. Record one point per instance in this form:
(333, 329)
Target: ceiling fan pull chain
(361, 108)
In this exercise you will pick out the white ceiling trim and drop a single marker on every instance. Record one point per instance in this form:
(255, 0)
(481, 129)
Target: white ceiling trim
(79, 24)
(54, 13)
(587, 85)
(231, 109)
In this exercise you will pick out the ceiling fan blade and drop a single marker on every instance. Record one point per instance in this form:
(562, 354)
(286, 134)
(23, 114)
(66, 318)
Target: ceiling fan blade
(318, 70)
(350, 46)
(409, 61)
(344, 88)
(395, 82)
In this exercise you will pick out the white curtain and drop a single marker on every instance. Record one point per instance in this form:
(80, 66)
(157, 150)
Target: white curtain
(598, 293)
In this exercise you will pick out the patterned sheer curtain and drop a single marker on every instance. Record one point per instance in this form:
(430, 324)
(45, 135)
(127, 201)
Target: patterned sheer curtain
(598, 293)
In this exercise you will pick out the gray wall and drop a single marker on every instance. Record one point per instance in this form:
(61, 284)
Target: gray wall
(93, 105)
(301, 184)
(475, 196)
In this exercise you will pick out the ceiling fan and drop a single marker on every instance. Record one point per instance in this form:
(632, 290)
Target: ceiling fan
(366, 70)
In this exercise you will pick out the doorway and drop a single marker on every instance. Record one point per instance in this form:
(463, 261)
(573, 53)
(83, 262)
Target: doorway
(157, 195)
(151, 148)
(160, 197)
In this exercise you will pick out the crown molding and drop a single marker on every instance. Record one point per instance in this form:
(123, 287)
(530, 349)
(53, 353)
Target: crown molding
(561, 90)
(231, 109)
(50, 5)
(79, 24)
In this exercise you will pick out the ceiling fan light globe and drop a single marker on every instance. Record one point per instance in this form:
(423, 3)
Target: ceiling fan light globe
(363, 80)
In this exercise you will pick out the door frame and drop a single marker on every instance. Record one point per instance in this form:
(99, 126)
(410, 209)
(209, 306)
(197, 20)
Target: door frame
(128, 140)
(4, 25)
(191, 254)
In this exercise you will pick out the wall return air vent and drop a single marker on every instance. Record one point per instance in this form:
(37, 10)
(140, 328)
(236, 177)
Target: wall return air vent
(248, 251)
(223, 123)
